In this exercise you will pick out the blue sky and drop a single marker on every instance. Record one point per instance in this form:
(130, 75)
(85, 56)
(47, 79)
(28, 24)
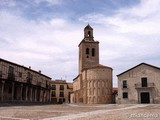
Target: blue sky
(45, 34)
(69, 9)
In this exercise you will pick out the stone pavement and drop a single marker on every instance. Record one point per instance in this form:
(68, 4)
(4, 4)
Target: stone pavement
(81, 112)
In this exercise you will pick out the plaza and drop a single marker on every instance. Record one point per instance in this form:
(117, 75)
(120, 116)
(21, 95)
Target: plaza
(81, 112)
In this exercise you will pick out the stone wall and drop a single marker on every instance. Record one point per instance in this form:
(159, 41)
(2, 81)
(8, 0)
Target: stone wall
(133, 78)
(22, 84)
(97, 85)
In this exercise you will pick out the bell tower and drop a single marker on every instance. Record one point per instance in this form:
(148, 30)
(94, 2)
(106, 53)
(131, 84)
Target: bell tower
(88, 50)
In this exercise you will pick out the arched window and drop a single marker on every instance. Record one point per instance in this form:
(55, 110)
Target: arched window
(93, 52)
(89, 34)
(87, 51)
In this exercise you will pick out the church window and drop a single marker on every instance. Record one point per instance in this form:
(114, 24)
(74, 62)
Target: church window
(89, 33)
(87, 51)
(93, 52)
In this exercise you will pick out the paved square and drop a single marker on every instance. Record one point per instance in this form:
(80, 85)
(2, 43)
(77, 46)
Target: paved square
(81, 112)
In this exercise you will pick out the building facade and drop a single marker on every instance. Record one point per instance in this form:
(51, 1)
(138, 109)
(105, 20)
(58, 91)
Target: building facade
(94, 82)
(61, 91)
(140, 84)
(22, 84)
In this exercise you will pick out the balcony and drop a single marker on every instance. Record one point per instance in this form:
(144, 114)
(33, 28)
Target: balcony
(39, 84)
(29, 80)
(11, 77)
(148, 85)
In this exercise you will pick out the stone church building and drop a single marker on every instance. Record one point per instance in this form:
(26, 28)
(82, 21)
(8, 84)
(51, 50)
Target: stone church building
(93, 84)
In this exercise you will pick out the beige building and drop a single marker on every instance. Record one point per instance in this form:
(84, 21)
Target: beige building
(140, 84)
(22, 84)
(94, 82)
(61, 91)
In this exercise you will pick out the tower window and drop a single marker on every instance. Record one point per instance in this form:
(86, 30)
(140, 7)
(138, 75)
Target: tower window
(93, 52)
(89, 33)
(87, 51)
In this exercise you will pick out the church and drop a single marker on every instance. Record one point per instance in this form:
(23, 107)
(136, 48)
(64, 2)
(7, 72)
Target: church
(93, 85)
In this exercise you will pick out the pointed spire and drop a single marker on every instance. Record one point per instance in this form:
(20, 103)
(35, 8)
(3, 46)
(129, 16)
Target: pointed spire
(88, 27)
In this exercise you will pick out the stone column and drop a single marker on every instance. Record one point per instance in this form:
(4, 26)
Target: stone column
(2, 90)
(13, 91)
(46, 95)
(21, 91)
(42, 95)
(35, 97)
(31, 95)
(97, 88)
(26, 93)
(49, 96)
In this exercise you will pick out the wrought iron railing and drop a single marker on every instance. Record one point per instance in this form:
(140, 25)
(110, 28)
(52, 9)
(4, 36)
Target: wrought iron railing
(148, 85)
(38, 83)
(11, 77)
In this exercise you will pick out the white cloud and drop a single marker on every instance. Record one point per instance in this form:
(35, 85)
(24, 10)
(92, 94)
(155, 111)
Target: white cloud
(60, 22)
(7, 3)
(128, 37)
(50, 2)
(44, 45)
(145, 8)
